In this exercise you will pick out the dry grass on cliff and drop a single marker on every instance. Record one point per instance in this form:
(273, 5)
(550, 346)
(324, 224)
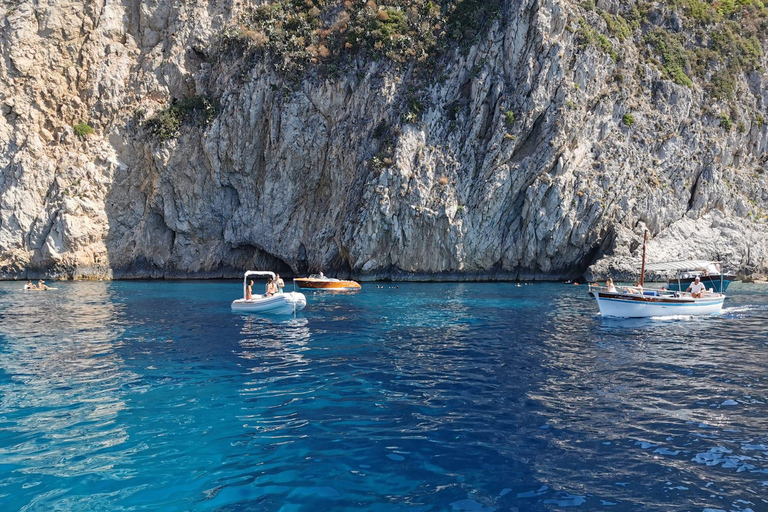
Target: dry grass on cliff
(300, 32)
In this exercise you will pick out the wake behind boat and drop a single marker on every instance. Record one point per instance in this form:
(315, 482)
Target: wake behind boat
(320, 282)
(278, 303)
(637, 302)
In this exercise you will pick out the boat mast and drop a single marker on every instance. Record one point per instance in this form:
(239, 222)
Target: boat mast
(642, 269)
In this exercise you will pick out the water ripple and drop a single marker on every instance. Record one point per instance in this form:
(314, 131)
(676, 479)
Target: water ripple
(154, 396)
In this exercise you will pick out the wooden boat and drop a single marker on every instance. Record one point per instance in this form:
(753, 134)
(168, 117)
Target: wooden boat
(637, 302)
(320, 282)
(279, 303)
(654, 303)
(708, 273)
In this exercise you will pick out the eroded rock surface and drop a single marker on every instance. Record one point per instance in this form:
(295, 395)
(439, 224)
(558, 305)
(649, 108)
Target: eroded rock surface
(329, 171)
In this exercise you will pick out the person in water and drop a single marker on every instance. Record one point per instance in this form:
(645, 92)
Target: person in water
(696, 288)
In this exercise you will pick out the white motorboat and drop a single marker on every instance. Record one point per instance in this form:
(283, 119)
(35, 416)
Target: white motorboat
(638, 302)
(278, 304)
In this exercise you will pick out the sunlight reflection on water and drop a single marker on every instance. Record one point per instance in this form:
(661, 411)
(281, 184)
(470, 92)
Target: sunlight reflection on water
(138, 395)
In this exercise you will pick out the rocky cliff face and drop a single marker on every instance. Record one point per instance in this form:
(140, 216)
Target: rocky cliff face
(542, 150)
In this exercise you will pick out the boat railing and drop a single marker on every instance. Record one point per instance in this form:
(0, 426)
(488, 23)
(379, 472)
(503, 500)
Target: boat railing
(621, 289)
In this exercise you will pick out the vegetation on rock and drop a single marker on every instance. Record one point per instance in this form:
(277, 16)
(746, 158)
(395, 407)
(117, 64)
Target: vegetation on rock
(82, 130)
(709, 42)
(167, 123)
(302, 32)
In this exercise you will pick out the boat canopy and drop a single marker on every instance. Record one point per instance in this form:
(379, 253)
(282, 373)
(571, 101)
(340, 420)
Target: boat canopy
(257, 273)
(260, 273)
(683, 266)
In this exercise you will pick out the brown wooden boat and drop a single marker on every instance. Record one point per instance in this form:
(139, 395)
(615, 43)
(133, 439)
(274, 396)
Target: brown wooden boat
(320, 282)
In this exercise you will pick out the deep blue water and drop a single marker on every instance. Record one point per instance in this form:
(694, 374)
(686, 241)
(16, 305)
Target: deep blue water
(411, 397)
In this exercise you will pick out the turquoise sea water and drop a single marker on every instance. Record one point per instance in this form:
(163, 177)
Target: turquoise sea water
(410, 397)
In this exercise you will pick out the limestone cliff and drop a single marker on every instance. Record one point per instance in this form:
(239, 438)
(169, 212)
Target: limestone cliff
(539, 146)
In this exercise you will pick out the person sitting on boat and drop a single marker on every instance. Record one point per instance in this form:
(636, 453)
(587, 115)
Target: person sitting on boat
(636, 289)
(696, 288)
(41, 285)
(280, 283)
(609, 285)
(29, 285)
(249, 290)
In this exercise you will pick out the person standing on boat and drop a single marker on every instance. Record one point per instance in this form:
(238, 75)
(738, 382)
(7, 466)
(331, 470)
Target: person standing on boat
(280, 283)
(271, 287)
(696, 288)
(249, 290)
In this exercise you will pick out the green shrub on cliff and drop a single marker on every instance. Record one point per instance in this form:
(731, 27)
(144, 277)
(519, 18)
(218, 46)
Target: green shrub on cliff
(723, 84)
(82, 130)
(589, 36)
(167, 123)
(673, 54)
(617, 25)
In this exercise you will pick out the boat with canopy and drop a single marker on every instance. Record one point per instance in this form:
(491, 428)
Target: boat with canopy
(278, 303)
(638, 302)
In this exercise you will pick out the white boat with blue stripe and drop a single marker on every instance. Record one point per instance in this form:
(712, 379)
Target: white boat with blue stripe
(638, 302)
(635, 302)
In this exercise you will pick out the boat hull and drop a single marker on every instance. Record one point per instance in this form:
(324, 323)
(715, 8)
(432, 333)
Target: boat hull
(319, 284)
(279, 304)
(641, 306)
(710, 282)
